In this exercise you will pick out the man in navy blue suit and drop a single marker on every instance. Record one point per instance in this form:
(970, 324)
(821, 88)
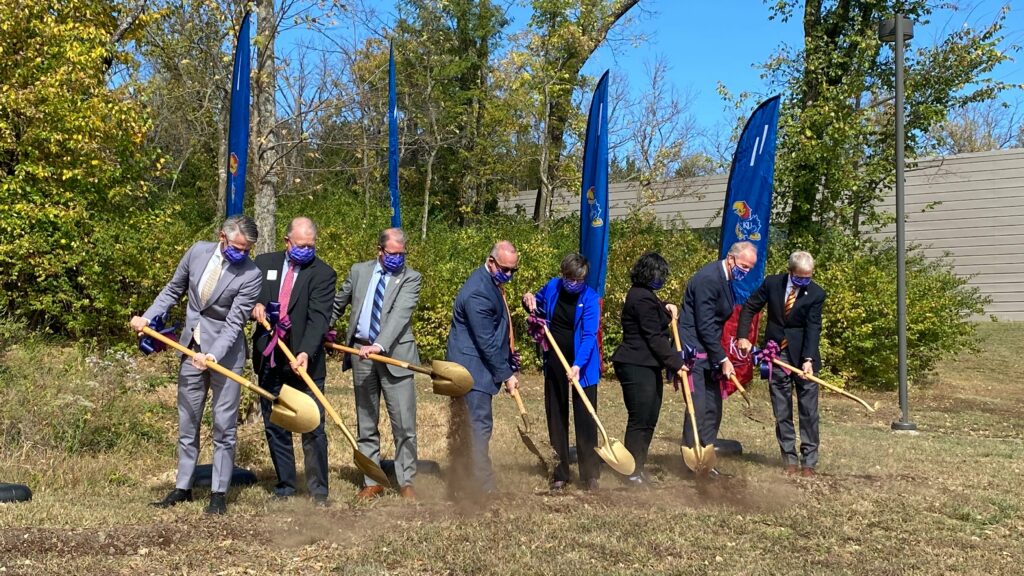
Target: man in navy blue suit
(707, 306)
(481, 339)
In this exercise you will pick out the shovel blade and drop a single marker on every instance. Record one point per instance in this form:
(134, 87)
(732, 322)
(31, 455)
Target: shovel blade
(531, 446)
(616, 455)
(370, 468)
(450, 378)
(690, 458)
(295, 411)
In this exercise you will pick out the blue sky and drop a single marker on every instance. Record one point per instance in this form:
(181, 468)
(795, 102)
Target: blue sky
(710, 41)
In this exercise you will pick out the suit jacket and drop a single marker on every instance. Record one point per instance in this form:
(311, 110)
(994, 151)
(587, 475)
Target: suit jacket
(224, 316)
(646, 334)
(479, 334)
(802, 328)
(586, 324)
(309, 308)
(707, 306)
(401, 297)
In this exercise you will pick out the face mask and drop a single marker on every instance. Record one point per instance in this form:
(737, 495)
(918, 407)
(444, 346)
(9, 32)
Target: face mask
(393, 262)
(301, 254)
(800, 282)
(573, 286)
(657, 284)
(234, 255)
(738, 274)
(502, 277)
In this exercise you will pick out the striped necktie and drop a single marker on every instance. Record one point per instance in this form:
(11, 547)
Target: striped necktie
(790, 301)
(378, 304)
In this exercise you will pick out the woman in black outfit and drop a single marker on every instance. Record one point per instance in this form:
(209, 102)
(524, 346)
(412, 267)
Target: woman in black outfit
(646, 351)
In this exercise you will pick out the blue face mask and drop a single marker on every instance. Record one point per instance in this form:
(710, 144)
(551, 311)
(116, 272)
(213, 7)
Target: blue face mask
(573, 286)
(301, 254)
(657, 284)
(234, 255)
(393, 263)
(502, 277)
(738, 274)
(800, 282)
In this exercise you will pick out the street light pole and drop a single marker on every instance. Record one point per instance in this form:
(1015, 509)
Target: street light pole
(900, 29)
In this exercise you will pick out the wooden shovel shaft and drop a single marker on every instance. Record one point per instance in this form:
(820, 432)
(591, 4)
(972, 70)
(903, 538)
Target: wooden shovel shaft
(576, 384)
(519, 403)
(210, 364)
(743, 391)
(821, 382)
(384, 359)
(315, 390)
(689, 399)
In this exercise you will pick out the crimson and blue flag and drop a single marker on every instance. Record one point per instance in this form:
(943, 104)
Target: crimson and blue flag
(238, 127)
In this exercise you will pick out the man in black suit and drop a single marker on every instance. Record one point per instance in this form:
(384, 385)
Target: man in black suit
(302, 285)
(707, 305)
(794, 322)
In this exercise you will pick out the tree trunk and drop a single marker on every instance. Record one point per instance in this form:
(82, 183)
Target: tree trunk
(267, 152)
(222, 162)
(426, 192)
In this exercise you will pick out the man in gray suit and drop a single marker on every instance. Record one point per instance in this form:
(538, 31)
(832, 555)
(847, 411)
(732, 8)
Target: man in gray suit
(222, 284)
(383, 294)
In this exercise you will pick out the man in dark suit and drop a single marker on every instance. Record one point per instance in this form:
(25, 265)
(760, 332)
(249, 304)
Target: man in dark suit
(707, 305)
(794, 322)
(481, 339)
(383, 294)
(302, 285)
(222, 284)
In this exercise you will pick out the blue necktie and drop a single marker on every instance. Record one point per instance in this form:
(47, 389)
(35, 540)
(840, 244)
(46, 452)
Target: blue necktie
(378, 303)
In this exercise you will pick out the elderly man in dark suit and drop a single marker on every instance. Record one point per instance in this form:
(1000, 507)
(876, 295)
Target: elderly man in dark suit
(794, 322)
(383, 294)
(707, 305)
(481, 339)
(302, 287)
(222, 284)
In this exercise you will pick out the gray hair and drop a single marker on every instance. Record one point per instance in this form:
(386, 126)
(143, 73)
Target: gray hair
(240, 224)
(301, 221)
(801, 260)
(503, 246)
(396, 234)
(741, 247)
(575, 266)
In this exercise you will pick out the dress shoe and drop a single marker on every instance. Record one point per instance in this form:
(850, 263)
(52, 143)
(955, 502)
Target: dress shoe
(808, 473)
(218, 503)
(177, 496)
(556, 486)
(320, 501)
(791, 470)
(407, 493)
(370, 492)
(638, 481)
(591, 484)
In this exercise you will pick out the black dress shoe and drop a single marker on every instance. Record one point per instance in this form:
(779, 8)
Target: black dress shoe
(320, 501)
(176, 496)
(557, 486)
(218, 504)
(637, 481)
(591, 484)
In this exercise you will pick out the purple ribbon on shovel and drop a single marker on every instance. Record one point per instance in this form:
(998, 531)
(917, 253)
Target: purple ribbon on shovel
(278, 329)
(148, 344)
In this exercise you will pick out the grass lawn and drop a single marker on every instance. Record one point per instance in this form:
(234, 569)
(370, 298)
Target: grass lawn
(944, 501)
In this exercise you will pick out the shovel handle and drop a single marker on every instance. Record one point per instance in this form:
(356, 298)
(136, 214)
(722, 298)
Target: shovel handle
(743, 391)
(576, 384)
(519, 403)
(210, 364)
(314, 389)
(383, 359)
(689, 399)
(821, 382)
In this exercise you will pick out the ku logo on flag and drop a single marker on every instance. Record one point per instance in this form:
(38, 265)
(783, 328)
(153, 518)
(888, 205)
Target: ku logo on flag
(749, 226)
(233, 164)
(595, 209)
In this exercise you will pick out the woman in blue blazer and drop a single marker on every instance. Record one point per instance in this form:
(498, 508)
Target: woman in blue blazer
(573, 312)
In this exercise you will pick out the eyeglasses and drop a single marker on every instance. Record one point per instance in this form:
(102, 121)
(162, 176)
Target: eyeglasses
(505, 269)
(385, 251)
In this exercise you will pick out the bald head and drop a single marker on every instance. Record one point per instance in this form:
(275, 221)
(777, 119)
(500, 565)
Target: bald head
(504, 256)
(301, 232)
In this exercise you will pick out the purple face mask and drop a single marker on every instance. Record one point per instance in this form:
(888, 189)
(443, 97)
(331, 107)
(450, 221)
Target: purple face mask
(800, 282)
(393, 262)
(657, 284)
(302, 254)
(234, 255)
(573, 286)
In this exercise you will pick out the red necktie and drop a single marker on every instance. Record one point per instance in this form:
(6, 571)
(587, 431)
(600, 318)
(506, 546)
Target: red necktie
(286, 290)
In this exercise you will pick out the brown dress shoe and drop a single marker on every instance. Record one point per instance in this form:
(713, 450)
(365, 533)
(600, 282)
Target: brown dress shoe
(791, 470)
(807, 473)
(407, 493)
(370, 492)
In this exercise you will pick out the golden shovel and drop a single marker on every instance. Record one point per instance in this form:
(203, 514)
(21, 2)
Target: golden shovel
(290, 409)
(609, 449)
(700, 459)
(449, 378)
(524, 429)
(821, 382)
(363, 462)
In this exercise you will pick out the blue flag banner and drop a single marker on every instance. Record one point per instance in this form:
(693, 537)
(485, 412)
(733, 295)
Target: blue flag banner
(396, 209)
(748, 198)
(748, 209)
(238, 127)
(594, 197)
